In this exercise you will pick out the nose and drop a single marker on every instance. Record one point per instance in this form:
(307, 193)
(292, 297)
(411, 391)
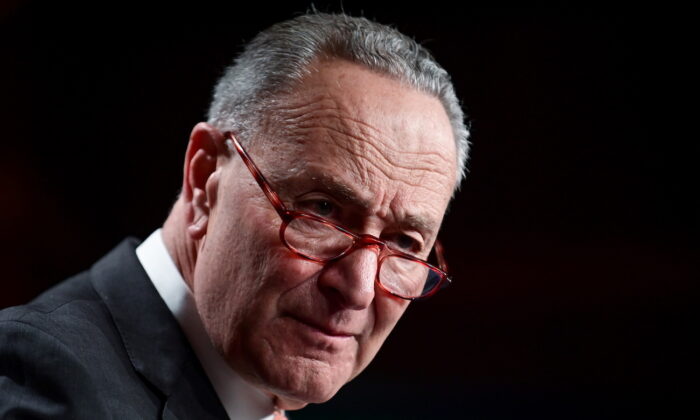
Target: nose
(349, 281)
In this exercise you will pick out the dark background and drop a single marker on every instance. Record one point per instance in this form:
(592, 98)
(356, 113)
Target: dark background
(573, 242)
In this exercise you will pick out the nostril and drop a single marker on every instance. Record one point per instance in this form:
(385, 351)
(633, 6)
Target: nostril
(350, 280)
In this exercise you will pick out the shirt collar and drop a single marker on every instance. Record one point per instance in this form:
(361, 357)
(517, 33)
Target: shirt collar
(240, 400)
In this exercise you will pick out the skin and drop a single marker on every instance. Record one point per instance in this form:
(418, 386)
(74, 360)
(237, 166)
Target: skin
(350, 145)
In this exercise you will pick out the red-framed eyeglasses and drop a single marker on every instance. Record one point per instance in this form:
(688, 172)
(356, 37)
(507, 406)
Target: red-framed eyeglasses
(317, 239)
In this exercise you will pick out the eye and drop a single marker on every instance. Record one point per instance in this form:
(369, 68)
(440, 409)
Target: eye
(407, 243)
(319, 207)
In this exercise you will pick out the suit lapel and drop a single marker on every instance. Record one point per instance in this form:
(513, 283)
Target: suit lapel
(156, 346)
(190, 400)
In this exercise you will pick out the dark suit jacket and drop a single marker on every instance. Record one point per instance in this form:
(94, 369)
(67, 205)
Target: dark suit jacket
(101, 345)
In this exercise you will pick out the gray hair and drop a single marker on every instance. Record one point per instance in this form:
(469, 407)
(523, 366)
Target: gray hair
(279, 57)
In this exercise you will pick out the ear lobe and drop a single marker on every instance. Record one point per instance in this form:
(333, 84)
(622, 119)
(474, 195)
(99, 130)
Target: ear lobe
(200, 179)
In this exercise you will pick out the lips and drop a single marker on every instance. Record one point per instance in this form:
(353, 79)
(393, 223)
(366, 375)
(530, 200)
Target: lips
(323, 328)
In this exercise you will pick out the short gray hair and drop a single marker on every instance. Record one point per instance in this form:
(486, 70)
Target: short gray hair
(280, 56)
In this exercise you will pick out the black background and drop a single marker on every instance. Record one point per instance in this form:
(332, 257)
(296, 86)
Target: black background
(573, 241)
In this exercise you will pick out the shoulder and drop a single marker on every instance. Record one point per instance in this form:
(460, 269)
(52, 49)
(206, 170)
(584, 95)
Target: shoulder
(61, 356)
(43, 366)
(71, 313)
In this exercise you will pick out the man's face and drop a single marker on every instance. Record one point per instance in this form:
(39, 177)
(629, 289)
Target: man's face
(354, 147)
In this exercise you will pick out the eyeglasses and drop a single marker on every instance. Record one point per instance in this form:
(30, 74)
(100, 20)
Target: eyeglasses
(317, 239)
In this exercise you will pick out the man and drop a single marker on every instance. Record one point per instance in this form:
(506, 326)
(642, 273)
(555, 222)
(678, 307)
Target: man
(310, 203)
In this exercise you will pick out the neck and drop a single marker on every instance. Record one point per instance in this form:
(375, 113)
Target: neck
(181, 247)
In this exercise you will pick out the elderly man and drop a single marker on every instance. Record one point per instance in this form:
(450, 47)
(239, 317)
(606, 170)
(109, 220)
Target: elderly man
(308, 219)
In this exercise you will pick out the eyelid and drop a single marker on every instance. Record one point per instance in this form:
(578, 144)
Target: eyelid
(317, 197)
(417, 246)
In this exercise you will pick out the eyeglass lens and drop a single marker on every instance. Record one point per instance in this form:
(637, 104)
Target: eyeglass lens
(400, 275)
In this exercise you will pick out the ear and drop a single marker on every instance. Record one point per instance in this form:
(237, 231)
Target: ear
(201, 176)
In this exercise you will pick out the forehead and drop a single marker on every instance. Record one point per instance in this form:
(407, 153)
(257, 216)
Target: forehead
(389, 146)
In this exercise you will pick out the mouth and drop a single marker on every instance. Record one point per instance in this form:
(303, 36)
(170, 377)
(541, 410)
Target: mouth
(320, 329)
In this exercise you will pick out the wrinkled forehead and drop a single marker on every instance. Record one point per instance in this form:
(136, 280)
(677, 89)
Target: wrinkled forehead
(367, 132)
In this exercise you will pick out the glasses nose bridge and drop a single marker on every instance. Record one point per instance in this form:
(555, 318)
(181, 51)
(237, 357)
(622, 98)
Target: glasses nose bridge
(365, 240)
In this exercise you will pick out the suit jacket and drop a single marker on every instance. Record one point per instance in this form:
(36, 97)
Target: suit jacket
(101, 345)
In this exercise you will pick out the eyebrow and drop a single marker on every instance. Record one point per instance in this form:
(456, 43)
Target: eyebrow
(349, 195)
(345, 191)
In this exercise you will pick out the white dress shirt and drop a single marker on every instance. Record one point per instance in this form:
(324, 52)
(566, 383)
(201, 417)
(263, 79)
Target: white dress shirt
(240, 400)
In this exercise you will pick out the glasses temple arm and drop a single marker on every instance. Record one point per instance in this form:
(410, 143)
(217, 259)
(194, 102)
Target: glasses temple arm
(233, 144)
(440, 257)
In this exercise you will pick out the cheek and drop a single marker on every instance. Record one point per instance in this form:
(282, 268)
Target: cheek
(387, 311)
(240, 300)
(230, 273)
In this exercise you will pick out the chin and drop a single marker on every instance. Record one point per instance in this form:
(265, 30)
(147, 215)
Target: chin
(304, 381)
(288, 403)
(309, 396)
